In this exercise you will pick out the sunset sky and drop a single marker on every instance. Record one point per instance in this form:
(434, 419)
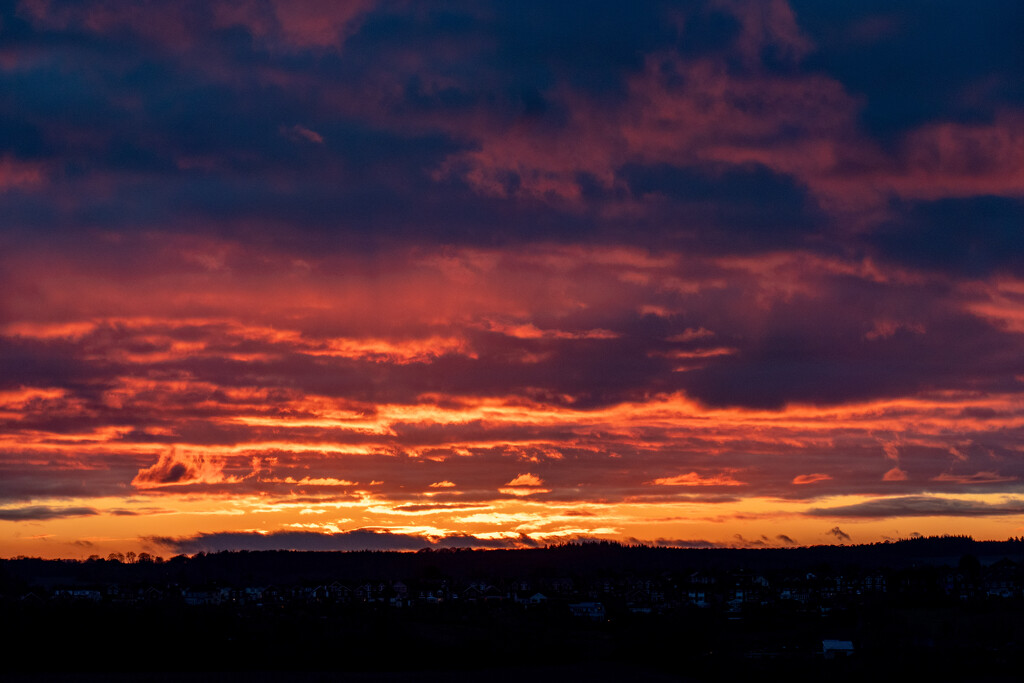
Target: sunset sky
(394, 275)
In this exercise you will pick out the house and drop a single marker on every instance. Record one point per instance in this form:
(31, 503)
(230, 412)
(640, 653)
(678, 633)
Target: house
(472, 593)
(150, 594)
(201, 597)
(836, 648)
(537, 599)
(339, 592)
(429, 597)
(702, 579)
(79, 594)
(31, 599)
(587, 610)
(560, 586)
(874, 583)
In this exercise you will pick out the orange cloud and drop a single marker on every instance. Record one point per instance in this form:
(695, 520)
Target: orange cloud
(526, 480)
(895, 474)
(176, 468)
(524, 485)
(694, 479)
(810, 478)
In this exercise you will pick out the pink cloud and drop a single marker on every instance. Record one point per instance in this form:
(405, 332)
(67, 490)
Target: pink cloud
(703, 112)
(318, 23)
(19, 175)
(290, 24)
(298, 133)
(961, 160)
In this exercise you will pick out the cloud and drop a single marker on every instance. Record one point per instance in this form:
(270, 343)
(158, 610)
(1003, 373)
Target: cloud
(839, 534)
(281, 24)
(299, 133)
(810, 478)
(437, 507)
(676, 543)
(749, 543)
(19, 175)
(524, 485)
(694, 479)
(986, 477)
(359, 539)
(317, 23)
(786, 539)
(31, 513)
(895, 474)
(921, 506)
(526, 480)
(175, 468)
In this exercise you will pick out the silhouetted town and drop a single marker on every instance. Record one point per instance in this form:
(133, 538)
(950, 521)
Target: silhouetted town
(947, 602)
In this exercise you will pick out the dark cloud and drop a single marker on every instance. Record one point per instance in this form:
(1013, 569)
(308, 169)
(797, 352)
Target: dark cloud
(359, 539)
(921, 506)
(739, 209)
(974, 236)
(469, 541)
(377, 126)
(786, 539)
(839, 534)
(918, 60)
(31, 513)
(57, 478)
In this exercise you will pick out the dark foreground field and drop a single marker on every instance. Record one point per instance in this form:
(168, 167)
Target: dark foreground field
(76, 642)
(935, 609)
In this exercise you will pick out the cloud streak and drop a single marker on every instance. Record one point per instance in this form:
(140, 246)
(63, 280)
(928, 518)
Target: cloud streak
(359, 539)
(32, 513)
(921, 506)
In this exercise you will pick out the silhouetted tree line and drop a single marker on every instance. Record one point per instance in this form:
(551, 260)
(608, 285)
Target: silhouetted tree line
(583, 560)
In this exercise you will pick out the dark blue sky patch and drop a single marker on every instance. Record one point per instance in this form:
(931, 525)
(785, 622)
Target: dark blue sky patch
(972, 237)
(920, 60)
(739, 207)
